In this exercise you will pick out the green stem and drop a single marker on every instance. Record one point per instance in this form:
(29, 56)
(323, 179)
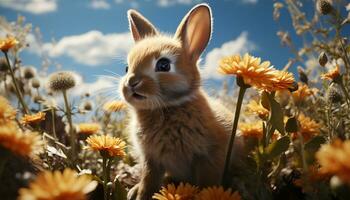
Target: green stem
(302, 152)
(18, 92)
(53, 123)
(345, 92)
(105, 177)
(224, 180)
(71, 130)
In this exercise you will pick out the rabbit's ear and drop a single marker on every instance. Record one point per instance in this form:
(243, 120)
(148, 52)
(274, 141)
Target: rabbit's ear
(195, 29)
(140, 27)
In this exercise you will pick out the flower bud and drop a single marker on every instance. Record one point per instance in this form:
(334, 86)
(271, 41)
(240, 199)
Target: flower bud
(324, 6)
(334, 95)
(302, 75)
(292, 125)
(322, 59)
(35, 83)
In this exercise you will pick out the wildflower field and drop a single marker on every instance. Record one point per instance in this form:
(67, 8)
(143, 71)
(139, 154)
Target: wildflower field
(293, 120)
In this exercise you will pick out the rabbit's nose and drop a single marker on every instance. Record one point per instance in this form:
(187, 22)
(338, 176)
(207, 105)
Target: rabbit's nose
(133, 81)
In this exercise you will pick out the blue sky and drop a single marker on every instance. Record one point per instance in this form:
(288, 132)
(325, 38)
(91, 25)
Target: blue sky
(91, 36)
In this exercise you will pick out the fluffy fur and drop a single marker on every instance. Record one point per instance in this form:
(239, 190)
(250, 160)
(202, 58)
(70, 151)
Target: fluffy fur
(180, 132)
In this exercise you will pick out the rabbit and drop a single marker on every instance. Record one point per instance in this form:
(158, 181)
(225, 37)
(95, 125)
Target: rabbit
(177, 129)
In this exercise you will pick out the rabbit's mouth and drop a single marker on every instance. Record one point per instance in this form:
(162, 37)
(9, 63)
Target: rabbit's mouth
(138, 96)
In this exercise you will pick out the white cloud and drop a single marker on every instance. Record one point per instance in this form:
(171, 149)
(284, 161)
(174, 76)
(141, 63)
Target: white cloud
(92, 48)
(100, 4)
(100, 86)
(133, 3)
(249, 1)
(239, 45)
(161, 3)
(166, 3)
(31, 6)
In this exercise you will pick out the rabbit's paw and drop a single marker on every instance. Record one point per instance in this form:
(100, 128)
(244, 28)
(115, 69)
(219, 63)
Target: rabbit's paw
(132, 194)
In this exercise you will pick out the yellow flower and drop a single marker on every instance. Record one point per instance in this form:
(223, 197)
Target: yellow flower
(88, 128)
(308, 128)
(23, 144)
(254, 73)
(303, 92)
(105, 143)
(114, 106)
(217, 193)
(58, 186)
(250, 68)
(7, 43)
(283, 81)
(250, 130)
(7, 113)
(334, 159)
(332, 74)
(33, 119)
(255, 108)
(181, 192)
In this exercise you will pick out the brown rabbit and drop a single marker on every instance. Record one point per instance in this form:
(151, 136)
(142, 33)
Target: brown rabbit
(177, 129)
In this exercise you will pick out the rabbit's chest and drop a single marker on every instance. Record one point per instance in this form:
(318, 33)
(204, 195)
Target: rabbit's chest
(174, 144)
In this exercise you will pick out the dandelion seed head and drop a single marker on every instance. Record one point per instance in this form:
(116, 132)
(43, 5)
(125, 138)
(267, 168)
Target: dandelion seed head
(324, 7)
(61, 81)
(35, 83)
(29, 72)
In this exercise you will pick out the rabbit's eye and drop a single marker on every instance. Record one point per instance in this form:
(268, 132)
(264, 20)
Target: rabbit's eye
(126, 69)
(163, 65)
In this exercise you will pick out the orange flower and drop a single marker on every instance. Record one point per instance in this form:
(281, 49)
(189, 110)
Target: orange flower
(255, 108)
(308, 128)
(33, 119)
(254, 73)
(7, 113)
(249, 130)
(114, 106)
(23, 144)
(105, 143)
(7, 43)
(254, 130)
(334, 159)
(181, 192)
(333, 74)
(66, 185)
(88, 128)
(302, 93)
(283, 81)
(217, 193)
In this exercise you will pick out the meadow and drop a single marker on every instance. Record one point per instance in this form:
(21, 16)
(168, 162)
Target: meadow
(296, 126)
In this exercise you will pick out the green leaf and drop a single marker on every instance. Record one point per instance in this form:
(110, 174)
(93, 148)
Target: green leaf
(292, 125)
(119, 192)
(265, 100)
(278, 147)
(314, 144)
(276, 118)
